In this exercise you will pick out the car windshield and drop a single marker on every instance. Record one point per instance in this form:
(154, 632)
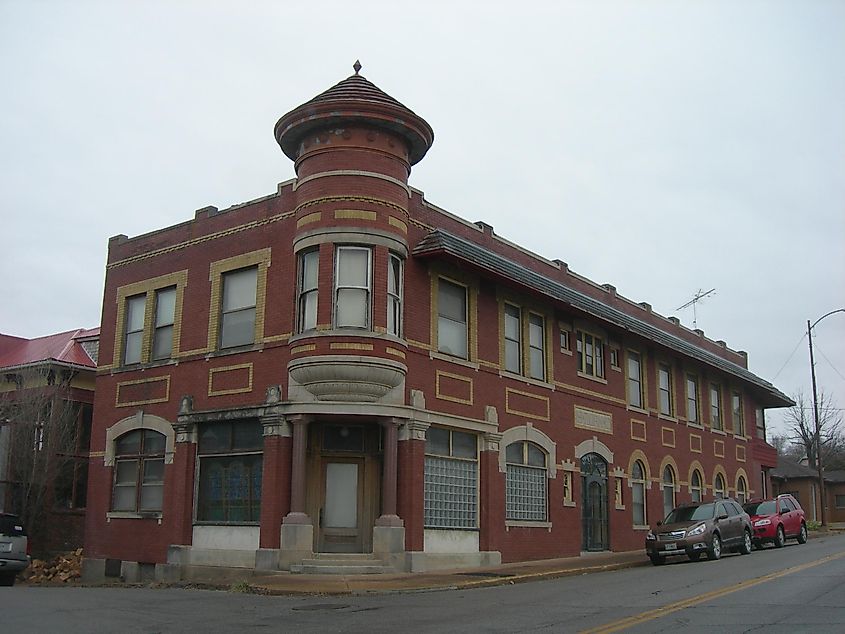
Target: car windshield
(761, 508)
(690, 513)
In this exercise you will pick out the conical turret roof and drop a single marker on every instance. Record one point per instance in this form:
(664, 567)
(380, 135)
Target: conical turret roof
(355, 99)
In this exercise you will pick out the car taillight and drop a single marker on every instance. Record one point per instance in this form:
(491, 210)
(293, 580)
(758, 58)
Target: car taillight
(28, 547)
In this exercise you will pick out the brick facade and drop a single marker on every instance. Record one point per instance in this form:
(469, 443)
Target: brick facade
(353, 148)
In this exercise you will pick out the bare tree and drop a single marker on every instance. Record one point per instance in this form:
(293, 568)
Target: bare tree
(802, 428)
(43, 423)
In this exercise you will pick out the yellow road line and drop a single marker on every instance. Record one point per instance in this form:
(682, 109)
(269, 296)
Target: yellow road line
(703, 598)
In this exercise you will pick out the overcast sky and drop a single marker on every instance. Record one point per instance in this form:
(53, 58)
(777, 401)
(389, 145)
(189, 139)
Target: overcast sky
(662, 147)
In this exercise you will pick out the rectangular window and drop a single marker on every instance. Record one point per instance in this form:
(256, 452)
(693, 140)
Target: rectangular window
(692, 398)
(761, 422)
(237, 314)
(614, 358)
(664, 389)
(635, 379)
(513, 339)
(451, 479)
(394, 295)
(590, 354)
(452, 318)
(230, 471)
(736, 411)
(715, 407)
(352, 287)
(537, 346)
(840, 501)
(309, 263)
(564, 341)
(163, 331)
(134, 337)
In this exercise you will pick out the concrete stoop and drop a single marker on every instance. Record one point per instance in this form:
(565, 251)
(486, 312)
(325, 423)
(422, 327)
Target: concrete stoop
(341, 564)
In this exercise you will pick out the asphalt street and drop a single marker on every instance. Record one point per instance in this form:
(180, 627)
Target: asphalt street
(795, 589)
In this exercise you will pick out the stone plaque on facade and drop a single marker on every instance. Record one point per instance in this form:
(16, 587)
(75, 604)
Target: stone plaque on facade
(592, 419)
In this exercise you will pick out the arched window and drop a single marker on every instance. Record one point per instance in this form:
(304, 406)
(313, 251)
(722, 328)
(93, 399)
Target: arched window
(695, 486)
(526, 492)
(668, 490)
(719, 486)
(139, 471)
(741, 490)
(638, 493)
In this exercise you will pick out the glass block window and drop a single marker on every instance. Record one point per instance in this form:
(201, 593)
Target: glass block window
(451, 479)
(230, 472)
(526, 478)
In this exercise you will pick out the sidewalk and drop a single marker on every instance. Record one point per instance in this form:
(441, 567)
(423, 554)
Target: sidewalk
(286, 583)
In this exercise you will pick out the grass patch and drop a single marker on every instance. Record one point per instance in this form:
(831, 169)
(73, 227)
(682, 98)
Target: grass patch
(241, 587)
(813, 525)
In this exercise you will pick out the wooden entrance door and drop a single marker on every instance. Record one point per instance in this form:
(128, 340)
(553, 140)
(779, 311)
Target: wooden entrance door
(340, 524)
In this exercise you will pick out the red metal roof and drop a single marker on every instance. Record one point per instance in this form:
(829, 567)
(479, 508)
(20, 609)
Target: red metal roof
(63, 347)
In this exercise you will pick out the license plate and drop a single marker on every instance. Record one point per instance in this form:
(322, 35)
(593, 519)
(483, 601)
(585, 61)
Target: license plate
(671, 547)
(5, 547)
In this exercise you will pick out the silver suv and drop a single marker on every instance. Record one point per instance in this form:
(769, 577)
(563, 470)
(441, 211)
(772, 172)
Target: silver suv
(13, 547)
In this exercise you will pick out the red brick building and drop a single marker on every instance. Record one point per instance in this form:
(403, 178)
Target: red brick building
(343, 367)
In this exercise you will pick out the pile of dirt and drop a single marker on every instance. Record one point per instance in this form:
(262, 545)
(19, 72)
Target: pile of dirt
(64, 568)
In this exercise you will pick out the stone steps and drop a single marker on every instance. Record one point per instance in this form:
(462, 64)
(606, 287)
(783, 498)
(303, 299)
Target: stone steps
(341, 564)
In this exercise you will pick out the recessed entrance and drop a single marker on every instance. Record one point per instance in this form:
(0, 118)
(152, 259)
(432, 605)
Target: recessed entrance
(594, 533)
(344, 485)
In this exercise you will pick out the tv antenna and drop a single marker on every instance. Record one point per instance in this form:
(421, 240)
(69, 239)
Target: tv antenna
(698, 297)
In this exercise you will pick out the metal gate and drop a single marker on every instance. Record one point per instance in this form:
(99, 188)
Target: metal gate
(594, 533)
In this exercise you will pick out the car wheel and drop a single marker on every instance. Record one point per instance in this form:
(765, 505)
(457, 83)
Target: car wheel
(745, 549)
(802, 534)
(657, 560)
(780, 538)
(694, 556)
(715, 550)
(7, 578)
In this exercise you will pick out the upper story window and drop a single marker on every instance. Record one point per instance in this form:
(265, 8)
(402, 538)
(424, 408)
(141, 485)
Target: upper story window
(513, 339)
(309, 263)
(716, 407)
(524, 355)
(741, 490)
(590, 350)
(664, 390)
(395, 291)
(692, 398)
(134, 336)
(760, 415)
(452, 318)
(635, 379)
(537, 346)
(139, 472)
(352, 287)
(736, 411)
(526, 478)
(165, 316)
(451, 479)
(237, 309)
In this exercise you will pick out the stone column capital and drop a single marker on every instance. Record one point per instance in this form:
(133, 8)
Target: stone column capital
(275, 425)
(413, 430)
(185, 432)
(490, 441)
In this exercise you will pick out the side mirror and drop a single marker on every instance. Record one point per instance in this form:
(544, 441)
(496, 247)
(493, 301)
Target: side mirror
(723, 516)
(660, 523)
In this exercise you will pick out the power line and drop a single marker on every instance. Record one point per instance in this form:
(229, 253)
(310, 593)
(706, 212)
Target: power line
(791, 354)
(829, 362)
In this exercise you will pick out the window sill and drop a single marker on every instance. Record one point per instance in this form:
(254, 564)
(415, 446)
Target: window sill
(742, 438)
(695, 425)
(346, 332)
(130, 515)
(638, 410)
(226, 352)
(616, 368)
(667, 417)
(451, 359)
(566, 352)
(719, 432)
(591, 377)
(526, 379)
(527, 524)
(641, 527)
(141, 367)
(569, 503)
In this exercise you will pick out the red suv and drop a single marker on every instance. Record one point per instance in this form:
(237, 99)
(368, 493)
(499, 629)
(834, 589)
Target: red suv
(776, 520)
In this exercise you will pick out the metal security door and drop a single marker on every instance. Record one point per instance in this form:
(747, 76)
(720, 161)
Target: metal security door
(594, 503)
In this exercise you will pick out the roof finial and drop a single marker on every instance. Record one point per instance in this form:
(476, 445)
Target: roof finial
(357, 66)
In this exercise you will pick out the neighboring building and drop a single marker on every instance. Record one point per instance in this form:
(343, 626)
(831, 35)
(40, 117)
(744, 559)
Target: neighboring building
(803, 483)
(342, 366)
(46, 401)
